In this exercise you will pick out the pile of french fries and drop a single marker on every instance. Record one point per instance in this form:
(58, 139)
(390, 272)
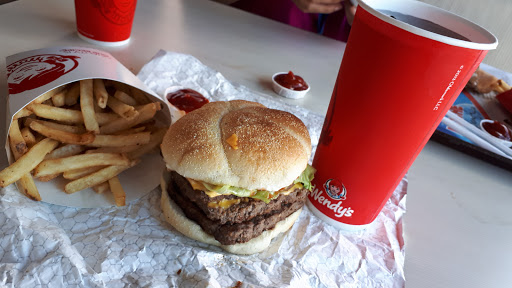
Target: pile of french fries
(88, 131)
(484, 82)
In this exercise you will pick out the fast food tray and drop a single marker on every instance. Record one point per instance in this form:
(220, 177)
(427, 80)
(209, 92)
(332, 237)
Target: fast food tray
(473, 107)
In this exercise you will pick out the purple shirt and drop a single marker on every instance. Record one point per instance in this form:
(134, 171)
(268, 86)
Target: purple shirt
(285, 11)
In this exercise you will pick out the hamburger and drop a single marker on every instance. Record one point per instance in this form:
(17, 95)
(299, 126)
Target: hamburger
(237, 174)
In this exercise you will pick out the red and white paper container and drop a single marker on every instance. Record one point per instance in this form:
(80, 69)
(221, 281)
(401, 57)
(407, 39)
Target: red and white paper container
(395, 83)
(32, 73)
(105, 22)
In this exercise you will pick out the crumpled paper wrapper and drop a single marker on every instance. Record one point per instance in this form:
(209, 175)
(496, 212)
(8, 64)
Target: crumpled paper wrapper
(45, 245)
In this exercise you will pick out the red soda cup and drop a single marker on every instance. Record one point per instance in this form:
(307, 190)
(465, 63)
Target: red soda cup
(404, 65)
(105, 22)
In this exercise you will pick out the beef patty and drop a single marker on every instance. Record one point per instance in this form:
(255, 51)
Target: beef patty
(245, 219)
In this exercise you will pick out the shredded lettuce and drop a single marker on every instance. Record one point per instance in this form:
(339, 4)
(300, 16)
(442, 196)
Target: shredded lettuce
(227, 189)
(263, 195)
(306, 177)
(240, 192)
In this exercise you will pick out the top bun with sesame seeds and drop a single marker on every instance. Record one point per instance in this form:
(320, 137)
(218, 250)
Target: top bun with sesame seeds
(237, 174)
(238, 143)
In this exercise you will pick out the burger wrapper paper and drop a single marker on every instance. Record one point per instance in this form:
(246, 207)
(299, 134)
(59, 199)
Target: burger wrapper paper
(32, 73)
(47, 245)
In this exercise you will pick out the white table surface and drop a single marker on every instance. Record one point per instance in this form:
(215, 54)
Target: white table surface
(458, 226)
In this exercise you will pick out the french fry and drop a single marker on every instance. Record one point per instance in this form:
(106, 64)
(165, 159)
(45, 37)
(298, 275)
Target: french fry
(79, 173)
(48, 95)
(122, 149)
(28, 187)
(101, 188)
(24, 112)
(121, 140)
(149, 124)
(65, 151)
(77, 129)
(16, 140)
(30, 139)
(139, 96)
(154, 141)
(131, 130)
(100, 93)
(502, 86)
(124, 110)
(104, 118)
(125, 98)
(505, 85)
(87, 106)
(61, 135)
(117, 191)
(68, 115)
(72, 94)
(59, 99)
(96, 178)
(56, 113)
(97, 108)
(120, 86)
(26, 184)
(57, 166)
(146, 113)
(47, 178)
(27, 162)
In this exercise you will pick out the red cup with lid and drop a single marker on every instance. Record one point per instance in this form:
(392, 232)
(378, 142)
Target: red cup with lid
(105, 22)
(404, 65)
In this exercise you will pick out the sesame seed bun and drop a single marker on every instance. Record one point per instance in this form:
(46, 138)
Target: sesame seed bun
(238, 143)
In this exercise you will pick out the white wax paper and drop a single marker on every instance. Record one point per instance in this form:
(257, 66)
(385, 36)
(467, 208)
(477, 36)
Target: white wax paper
(45, 245)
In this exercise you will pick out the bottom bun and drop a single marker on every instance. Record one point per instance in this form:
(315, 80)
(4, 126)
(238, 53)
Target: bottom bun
(175, 216)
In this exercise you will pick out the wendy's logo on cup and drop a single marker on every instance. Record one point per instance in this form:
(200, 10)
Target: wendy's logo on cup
(335, 189)
(119, 12)
(38, 70)
(331, 205)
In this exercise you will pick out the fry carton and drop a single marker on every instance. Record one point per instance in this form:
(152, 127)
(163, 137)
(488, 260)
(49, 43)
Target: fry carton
(112, 112)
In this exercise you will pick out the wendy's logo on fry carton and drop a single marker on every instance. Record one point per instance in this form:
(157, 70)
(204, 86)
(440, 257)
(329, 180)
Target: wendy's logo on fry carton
(118, 12)
(35, 71)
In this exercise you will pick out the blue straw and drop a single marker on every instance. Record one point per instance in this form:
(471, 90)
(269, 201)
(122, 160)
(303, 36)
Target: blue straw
(321, 23)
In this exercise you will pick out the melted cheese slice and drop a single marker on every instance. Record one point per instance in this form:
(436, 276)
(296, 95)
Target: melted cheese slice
(196, 185)
(288, 191)
(225, 203)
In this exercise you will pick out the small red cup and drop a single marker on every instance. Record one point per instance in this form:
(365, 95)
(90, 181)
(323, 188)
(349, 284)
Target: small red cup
(395, 83)
(105, 22)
